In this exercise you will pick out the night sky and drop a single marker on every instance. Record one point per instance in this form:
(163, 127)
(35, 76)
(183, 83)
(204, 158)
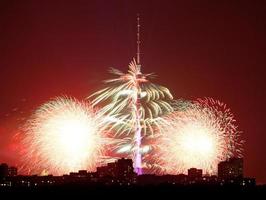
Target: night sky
(197, 49)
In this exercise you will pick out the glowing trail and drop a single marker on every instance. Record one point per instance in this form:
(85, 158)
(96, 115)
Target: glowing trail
(134, 106)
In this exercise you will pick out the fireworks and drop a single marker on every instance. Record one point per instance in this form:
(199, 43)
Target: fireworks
(141, 120)
(134, 105)
(199, 136)
(64, 135)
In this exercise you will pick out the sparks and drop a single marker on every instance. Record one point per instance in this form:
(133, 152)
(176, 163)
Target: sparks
(134, 105)
(64, 135)
(200, 136)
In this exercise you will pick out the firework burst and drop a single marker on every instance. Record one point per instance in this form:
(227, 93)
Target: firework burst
(134, 106)
(64, 135)
(199, 136)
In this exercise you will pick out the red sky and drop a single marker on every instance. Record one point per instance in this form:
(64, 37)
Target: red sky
(197, 48)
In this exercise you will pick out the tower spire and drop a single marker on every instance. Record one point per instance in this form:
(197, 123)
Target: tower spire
(138, 40)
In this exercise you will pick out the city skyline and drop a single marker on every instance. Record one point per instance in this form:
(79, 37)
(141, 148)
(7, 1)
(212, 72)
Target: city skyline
(119, 176)
(121, 172)
(224, 63)
(14, 171)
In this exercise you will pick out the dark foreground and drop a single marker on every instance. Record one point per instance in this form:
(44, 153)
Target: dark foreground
(130, 192)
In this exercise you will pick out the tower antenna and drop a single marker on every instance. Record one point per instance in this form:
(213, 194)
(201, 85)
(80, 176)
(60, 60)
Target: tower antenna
(138, 40)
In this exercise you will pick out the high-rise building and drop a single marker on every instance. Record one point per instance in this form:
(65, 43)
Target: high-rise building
(124, 167)
(121, 172)
(231, 169)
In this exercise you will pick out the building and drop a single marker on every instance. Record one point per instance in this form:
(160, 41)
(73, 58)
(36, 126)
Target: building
(249, 182)
(83, 173)
(12, 171)
(231, 169)
(102, 171)
(3, 170)
(111, 169)
(124, 167)
(148, 179)
(119, 172)
(6, 171)
(121, 168)
(194, 173)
